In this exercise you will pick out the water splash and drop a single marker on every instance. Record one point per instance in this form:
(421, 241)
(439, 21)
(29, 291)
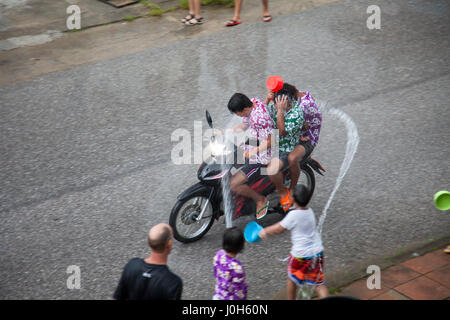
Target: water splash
(306, 291)
(352, 146)
(227, 205)
(227, 198)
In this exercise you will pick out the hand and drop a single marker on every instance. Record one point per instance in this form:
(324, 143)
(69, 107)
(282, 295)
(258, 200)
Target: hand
(250, 153)
(281, 103)
(262, 234)
(304, 138)
(305, 126)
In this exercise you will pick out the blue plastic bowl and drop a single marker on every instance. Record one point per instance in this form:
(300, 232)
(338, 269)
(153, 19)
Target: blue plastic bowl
(251, 232)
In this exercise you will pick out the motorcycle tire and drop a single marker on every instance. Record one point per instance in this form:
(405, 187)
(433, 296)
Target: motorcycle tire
(188, 218)
(306, 170)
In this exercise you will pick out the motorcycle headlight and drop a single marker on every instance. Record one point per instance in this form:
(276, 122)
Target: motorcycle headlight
(218, 149)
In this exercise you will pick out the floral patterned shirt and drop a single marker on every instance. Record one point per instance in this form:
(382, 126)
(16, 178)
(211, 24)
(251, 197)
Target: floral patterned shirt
(230, 278)
(293, 122)
(261, 127)
(313, 115)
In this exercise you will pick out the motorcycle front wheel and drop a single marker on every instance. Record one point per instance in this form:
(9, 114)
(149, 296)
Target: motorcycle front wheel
(191, 218)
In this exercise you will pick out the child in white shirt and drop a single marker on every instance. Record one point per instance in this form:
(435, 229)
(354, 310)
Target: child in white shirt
(306, 256)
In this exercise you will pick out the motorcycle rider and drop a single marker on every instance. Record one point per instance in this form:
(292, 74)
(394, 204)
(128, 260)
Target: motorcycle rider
(257, 119)
(298, 119)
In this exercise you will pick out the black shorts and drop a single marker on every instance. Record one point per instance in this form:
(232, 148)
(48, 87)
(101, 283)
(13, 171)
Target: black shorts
(308, 150)
(252, 171)
(308, 147)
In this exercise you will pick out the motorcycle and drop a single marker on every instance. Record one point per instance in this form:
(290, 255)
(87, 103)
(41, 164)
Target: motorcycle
(201, 204)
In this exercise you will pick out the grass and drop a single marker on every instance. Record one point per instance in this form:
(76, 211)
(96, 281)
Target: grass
(334, 291)
(155, 10)
(129, 18)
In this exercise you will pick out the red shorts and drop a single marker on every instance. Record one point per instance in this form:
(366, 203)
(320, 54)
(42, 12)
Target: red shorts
(306, 270)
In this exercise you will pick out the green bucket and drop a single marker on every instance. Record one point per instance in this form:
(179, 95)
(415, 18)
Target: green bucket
(442, 200)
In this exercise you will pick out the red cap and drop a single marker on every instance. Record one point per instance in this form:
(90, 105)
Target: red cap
(274, 83)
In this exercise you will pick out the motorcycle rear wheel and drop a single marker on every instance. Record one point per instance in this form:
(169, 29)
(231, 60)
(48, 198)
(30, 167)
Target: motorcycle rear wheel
(184, 215)
(306, 178)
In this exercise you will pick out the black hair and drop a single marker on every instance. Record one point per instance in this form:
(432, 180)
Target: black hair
(233, 240)
(288, 90)
(239, 102)
(301, 195)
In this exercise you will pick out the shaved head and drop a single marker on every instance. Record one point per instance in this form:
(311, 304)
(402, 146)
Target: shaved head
(159, 236)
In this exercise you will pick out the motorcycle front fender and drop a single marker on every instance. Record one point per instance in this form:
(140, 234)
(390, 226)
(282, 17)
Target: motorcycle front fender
(200, 189)
(197, 189)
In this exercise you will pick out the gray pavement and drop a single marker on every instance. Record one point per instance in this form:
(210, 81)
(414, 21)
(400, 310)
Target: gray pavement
(85, 161)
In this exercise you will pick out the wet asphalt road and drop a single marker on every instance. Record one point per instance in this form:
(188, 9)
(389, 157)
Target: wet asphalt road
(85, 153)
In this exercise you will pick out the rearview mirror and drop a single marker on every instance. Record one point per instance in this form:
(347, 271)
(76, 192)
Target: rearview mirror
(209, 119)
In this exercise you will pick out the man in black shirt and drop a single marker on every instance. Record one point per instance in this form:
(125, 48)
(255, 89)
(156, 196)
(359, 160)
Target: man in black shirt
(150, 278)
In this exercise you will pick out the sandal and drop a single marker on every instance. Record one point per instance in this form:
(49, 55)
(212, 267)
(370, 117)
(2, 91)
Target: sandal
(187, 18)
(267, 18)
(259, 214)
(194, 21)
(232, 22)
(286, 201)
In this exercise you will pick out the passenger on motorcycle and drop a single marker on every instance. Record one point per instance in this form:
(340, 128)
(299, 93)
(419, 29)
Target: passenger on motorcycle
(297, 117)
(256, 118)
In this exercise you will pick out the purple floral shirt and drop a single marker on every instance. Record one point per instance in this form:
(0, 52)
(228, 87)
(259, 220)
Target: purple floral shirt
(230, 278)
(313, 115)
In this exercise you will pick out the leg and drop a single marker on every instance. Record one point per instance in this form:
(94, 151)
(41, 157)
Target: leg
(237, 10)
(191, 7)
(191, 12)
(291, 289)
(265, 7)
(293, 158)
(197, 9)
(238, 185)
(322, 291)
(275, 175)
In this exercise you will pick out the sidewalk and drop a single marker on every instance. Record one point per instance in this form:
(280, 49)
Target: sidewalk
(425, 277)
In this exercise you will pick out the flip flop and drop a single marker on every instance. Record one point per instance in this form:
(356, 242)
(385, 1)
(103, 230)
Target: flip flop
(267, 18)
(260, 215)
(232, 22)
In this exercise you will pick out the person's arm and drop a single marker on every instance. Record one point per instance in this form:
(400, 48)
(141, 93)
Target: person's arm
(240, 127)
(178, 291)
(264, 145)
(281, 105)
(269, 97)
(274, 229)
(121, 291)
(305, 127)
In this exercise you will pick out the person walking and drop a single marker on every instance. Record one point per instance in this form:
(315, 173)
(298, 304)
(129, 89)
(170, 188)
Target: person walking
(237, 13)
(150, 278)
(194, 17)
